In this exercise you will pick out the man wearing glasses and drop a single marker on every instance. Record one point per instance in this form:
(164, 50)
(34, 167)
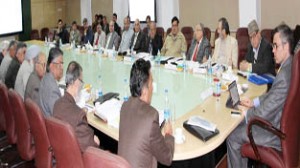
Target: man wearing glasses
(259, 57)
(34, 80)
(175, 43)
(65, 108)
(268, 106)
(49, 91)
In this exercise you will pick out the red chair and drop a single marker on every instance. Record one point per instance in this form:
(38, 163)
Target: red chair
(67, 151)
(43, 157)
(169, 30)
(207, 33)
(34, 35)
(188, 33)
(288, 133)
(44, 33)
(25, 146)
(267, 34)
(160, 31)
(243, 41)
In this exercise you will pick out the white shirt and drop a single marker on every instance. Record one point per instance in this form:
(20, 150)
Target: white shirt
(135, 38)
(22, 77)
(108, 40)
(126, 39)
(4, 67)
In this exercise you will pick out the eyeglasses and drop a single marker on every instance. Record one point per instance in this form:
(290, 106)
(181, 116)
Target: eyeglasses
(58, 63)
(41, 63)
(275, 45)
(81, 81)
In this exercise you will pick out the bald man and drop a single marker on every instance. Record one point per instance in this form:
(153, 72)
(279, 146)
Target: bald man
(138, 39)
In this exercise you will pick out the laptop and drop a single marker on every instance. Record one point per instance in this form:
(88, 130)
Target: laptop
(234, 98)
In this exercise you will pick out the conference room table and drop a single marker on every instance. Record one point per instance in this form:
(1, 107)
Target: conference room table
(185, 92)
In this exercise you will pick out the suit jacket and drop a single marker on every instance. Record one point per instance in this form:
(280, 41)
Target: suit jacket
(203, 50)
(265, 58)
(1, 57)
(63, 35)
(66, 110)
(22, 77)
(114, 41)
(271, 106)
(11, 74)
(88, 37)
(48, 94)
(140, 44)
(156, 43)
(33, 87)
(140, 140)
(231, 50)
(101, 40)
(4, 66)
(117, 28)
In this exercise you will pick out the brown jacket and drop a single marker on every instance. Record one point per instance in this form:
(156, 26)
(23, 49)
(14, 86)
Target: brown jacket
(141, 142)
(65, 109)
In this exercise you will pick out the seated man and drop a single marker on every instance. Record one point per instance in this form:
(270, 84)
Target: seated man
(75, 34)
(34, 80)
(14, 66)
(297, 47)
(226, 48)
(259, 57)
(269, 106)
(155, 41)
(126, 36)
(141, 142)
(61, 32)
(112, 39)
(99, 37)
(175, 43)
(66, 109)
(26, 69)
(49, 91)
(7, 59)
(88, 32)
(200, 47)
(116, 25)
(138, 39)
(3, 49)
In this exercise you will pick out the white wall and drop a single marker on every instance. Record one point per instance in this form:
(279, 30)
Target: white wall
(86, 10)
(249, 10)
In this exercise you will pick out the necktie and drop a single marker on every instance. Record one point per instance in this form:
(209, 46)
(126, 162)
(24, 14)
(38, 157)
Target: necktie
(96, 43)
(195, 53)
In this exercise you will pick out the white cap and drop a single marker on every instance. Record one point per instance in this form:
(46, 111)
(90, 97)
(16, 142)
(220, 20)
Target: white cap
(32, 52)
(4, 45)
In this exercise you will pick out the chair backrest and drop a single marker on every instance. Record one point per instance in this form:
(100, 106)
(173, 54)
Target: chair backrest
(160, 31)
(34, 34)
(169, 30)
(64, 143)
(243, 41)
(44, 33)
(145, 30)
(25, 146)
(207, 33)
(43, 157)
(188, 33)
(267, 34)
(9, 120)
(2, 117)
(290, 118)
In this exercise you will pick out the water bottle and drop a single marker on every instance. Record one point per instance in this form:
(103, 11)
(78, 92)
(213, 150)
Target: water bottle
(114, 53)
(100, 91)
(209, 70)
(184, 61)
(46, 41)
(167, 106)
(158, 58)
(60, 43)
(126, 96)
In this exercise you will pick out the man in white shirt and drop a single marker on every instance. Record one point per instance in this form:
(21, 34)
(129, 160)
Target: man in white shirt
(99, 37)
(126, 36)
(12, 48)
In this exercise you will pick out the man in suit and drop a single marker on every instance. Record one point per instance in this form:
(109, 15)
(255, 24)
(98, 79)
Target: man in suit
(155, 41)
(3, 49)
(126, 36)
(66, 109)
(226, 48)
(105, 25)
(138, 39)
(49, 90)
(259, 57)
(88, 32)
(141, 142)
(116, 25)
(7, 59)
(75, 34)
(112, 39)
(34, 80)
(61, 32)
(200, 47)
(269, 106)
(99, 37)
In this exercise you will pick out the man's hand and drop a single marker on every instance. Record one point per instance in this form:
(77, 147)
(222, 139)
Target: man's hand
(96, 139)
(168, 128)
(245, 101)
(244, 65)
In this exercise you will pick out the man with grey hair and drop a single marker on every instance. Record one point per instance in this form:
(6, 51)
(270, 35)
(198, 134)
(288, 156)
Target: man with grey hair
(26, 69)
(12, 47)
(66, 109)
(99, 37)
(269, 106)
(154, 41)
(34, 80)
(112, 38)
(200, 47)
(259, 57)
(126, 36)
(88, 32)
(3, 49)
(138, 39)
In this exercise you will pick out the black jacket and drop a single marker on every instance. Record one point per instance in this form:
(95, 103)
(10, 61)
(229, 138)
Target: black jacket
(140, 44)
(156, 43)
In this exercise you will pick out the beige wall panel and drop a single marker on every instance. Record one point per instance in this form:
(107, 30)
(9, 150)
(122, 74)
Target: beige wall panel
(104, 7)
(73, 11)
(37, 15)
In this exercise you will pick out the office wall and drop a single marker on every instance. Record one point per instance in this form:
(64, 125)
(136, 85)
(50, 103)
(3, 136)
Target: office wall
(73, 11)
(275, 11)
(45, 13)
(104, 7)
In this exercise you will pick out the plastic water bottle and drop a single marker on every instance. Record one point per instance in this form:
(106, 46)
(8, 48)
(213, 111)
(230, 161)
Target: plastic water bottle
(209, 70)
(167, 106)
(184, 61)
(60, 43)
(100, 91)
(125, 96)
(114, 53)
(158, 58)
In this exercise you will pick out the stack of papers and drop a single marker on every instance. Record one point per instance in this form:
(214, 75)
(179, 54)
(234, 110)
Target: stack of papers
(200, 122)
(109, 111)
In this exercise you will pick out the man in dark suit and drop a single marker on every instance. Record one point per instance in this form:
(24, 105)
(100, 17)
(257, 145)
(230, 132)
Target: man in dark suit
(61, 32)
(269, 106)
(200, 47)
(66, 109)
(116, 25)
(139, 39)
(259, 58)
(155, 41)
(141, 141)
(112, 38)
(88, 35)
(105, 25)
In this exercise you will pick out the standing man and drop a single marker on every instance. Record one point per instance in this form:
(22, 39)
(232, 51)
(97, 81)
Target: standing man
(139, 39)
(226, 48)
(141, 142)
(200, 47)
(269, 106)
(259, 58)
(175, 43)
(112, 39)
(116, 26)
(126, 36)
(99, 37)
(12, 47)
(155, 41)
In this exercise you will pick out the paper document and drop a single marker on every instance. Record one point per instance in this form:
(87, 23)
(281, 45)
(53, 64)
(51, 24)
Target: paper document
(200, 122)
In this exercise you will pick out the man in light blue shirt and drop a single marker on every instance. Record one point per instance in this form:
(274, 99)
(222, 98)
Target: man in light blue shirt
(126, 36)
